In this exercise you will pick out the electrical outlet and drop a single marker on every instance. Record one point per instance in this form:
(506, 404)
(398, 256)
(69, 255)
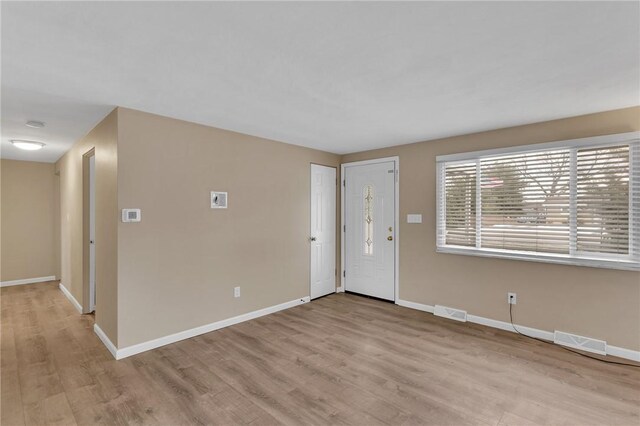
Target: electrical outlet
(236, 292)
(512, 298)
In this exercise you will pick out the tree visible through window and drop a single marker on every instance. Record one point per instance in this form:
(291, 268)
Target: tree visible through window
(603, 200)
(525, 202)
(566, 201)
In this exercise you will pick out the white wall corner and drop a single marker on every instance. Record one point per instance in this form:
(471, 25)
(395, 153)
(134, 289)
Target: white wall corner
(187, 334)
(340, 289)
(69, 296)
(27, 281)
(106, 341)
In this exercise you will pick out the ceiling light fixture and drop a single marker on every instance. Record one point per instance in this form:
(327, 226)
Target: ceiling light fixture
(34, 124)
(27, 145)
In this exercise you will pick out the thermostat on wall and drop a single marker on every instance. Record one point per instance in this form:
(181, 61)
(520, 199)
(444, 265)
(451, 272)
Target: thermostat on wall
(131, 215)
(218, 200)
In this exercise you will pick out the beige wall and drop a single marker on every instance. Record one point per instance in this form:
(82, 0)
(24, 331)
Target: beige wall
(177, 268)
(600, 303)
(29, 232)
(104, 139)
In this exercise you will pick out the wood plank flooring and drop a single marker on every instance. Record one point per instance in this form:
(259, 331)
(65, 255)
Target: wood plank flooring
(342, 359)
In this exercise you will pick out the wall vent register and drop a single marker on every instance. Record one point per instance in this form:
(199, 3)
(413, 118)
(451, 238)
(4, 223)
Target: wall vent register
(580, 342)
(451, 313)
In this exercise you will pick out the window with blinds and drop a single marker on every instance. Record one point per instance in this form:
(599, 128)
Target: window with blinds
(602, 196)
(576, 202)
(460, 202)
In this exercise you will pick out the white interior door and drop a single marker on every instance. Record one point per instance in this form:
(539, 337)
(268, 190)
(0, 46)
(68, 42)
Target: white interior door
(323, 231)
(369, 214)
(92, 233)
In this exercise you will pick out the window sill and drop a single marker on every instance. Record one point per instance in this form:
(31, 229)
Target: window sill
(621, 264)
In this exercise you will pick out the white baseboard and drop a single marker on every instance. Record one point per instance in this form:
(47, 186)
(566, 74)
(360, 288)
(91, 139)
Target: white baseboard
(103, 337)
(529, 331)
(69, 296)
(340, 289)
(503, 325)
(623, 353)
(186, 334)
(27, 281)
(414, 305)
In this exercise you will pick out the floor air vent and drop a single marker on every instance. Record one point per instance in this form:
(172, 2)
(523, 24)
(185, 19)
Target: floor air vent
(451, 313)
(579, 342)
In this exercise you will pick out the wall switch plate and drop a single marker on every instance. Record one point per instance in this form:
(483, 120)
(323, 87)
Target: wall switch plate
(236, 292)
(219, 200)
(414, 218)
(512, 298)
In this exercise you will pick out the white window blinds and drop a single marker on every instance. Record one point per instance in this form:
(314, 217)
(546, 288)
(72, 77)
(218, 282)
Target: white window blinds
(572, 204)
(461, 204)
(525, 202)
(603, 200)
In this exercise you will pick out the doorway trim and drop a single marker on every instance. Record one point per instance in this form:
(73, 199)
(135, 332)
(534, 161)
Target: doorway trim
(86, 158)
(396, 265)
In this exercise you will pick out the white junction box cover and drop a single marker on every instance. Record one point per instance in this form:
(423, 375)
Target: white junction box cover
(218, 200)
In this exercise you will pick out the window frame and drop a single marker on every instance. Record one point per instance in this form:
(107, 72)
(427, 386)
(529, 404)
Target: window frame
(574, 257)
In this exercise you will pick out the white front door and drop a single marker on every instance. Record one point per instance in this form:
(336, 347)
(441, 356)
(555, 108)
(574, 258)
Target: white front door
(370, 229)
(92, 233)
(323, 230)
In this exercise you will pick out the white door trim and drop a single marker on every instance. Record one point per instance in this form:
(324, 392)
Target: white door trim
(334, 169)
(92, 233)
(343, 166)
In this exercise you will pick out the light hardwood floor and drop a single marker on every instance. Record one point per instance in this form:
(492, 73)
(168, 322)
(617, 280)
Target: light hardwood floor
(342, 359)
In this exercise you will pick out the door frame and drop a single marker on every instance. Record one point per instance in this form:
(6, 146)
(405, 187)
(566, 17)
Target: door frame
(86, 158)
(335, 231)
(396, 264)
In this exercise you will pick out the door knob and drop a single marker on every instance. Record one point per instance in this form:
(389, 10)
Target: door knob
(312, 238)
(390, 238)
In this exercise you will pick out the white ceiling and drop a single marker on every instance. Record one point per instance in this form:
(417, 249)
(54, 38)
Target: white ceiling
(340, 77)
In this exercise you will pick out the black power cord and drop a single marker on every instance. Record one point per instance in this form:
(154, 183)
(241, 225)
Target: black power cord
(563, 347)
